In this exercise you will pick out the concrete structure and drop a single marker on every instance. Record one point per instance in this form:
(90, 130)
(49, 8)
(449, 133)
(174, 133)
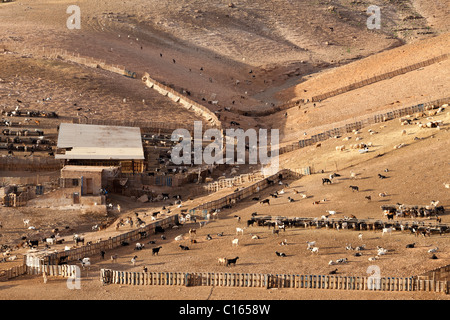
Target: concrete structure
(86, 184)
(96, 145)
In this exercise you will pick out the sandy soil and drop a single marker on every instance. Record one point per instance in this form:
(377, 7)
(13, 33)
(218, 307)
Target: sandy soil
(268, 49)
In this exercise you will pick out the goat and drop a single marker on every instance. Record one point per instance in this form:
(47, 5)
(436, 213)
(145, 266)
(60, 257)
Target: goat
(433, 250)
(155, 251)
(411, 245)
(265, 201)
(326, 180)
(139, 246)
(239, 230)
(114, 258)
(133, 260)
(381, 176)
(354, 188)
(310, 244)
(334, 175)
(184, 247)
(280, 254)
(78, 239)
(333, 271)
(179, 237)
(283, 243)
(85, 262)
(387, 230)
(342, 260)
(314, 250)
(231, 261)
(222, 261)
(235, 242)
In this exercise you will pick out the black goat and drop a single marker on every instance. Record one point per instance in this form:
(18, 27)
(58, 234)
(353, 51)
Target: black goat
(155, 251)
(184, 247)
(333, 271)
(232, 261)
(159, 229)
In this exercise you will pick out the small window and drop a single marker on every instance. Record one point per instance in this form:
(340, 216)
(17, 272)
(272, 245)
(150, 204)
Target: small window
(75, 182)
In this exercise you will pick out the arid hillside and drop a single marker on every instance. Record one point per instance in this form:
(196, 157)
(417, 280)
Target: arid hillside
(247, 61)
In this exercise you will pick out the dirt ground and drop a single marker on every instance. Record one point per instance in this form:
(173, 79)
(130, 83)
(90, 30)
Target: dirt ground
(205, 47)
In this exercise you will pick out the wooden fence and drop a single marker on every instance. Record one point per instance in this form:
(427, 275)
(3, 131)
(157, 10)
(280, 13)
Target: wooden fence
(245, 192)
(439, 274)
(380, 77)
(231, 182)
(29, 164)
(113, 242)
(208, 115)
(349, 127)
(13, 272)
(50, 270)
(185, 102)
(258, 280)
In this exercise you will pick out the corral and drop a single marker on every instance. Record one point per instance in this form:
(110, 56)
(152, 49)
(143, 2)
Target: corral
(361, 188)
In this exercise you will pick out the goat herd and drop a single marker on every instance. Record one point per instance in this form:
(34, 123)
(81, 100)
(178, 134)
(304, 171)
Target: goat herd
(277, 225)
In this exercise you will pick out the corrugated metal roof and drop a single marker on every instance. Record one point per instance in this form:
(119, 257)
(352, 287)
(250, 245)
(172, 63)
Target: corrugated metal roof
(99, 142)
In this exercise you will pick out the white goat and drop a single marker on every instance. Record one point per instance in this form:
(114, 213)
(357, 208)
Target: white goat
(315, 250)
(387, 230)
(235, 242)
(310, 244)
(85, 262)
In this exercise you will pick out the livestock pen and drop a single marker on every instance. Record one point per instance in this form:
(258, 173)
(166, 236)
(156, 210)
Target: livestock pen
(75, 254)
(268, 281)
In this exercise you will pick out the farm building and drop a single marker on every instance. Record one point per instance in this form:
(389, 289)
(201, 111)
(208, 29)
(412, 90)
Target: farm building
(86, 184)
(96, 145)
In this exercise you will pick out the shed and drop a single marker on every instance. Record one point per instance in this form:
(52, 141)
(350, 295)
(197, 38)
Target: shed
(98, 145)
